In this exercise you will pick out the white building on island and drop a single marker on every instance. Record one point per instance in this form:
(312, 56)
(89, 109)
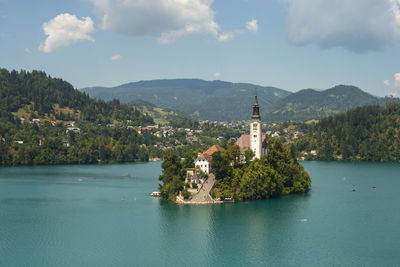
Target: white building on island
(203, 160)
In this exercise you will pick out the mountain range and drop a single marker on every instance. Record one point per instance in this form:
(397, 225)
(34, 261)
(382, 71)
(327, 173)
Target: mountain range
(226, 101)
(211, 100)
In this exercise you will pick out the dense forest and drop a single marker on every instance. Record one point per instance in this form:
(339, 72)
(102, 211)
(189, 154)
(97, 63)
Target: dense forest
(276, 174)
(44, 120)
(368, 133)
(239, 177)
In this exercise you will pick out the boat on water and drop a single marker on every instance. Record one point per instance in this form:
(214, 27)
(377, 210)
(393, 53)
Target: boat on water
(229, 200)
(156, 194)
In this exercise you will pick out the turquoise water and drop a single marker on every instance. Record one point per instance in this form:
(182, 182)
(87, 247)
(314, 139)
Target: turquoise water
(48, 217)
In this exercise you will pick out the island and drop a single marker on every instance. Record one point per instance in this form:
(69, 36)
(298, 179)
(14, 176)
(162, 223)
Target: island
(255, 167)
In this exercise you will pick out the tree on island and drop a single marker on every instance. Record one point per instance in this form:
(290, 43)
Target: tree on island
(239, 177)
(276, 174)
(173, 177)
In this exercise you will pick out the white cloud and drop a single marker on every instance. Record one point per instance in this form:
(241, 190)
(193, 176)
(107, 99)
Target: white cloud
(217, 74)
(252, 25)
(116, 57)
(225, 37)
(396, 80)
(165, 20)
(395, 84)
(356, 25)
(66, 29)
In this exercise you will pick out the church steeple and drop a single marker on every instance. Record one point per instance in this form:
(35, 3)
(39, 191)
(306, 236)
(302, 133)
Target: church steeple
(256, 110)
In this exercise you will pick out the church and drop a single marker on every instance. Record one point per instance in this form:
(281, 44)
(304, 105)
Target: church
(255, 141)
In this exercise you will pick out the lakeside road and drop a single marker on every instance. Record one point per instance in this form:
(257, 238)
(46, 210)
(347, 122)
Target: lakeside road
(203, 195)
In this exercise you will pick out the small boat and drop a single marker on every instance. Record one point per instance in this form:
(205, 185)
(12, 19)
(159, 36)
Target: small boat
(156, 194)
(229, 200)
(353, 190)
(80, 179)
(127, 175)
(374, 186)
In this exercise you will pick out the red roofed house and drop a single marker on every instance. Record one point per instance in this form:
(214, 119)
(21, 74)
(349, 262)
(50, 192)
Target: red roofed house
(204, 159)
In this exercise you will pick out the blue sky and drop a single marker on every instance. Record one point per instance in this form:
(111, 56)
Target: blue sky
(290, 44)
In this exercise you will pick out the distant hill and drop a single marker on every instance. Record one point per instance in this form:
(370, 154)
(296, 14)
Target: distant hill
(225, 101)
(311, 104)
(212, 100)
(44, 120)
(160, 115)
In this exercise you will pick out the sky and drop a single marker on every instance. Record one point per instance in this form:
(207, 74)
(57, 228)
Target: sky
(289, 44)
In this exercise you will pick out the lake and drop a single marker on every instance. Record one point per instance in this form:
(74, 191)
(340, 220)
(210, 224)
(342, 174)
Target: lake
(92, 215)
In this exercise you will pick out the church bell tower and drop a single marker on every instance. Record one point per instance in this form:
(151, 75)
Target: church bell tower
(255, 131)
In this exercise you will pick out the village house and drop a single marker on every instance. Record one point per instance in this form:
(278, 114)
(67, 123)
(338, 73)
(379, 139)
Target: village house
(66, 144)
(192, 139)
(143, 130)
(74, 130)
(37, 121)
(203, 160)
(275, 135)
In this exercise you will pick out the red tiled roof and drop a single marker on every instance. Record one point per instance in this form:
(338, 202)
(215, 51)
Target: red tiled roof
(244, 140)
(214, 149)
(208, 154)
(205, 156)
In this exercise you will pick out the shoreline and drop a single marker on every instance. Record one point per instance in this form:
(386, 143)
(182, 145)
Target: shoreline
(199, 202)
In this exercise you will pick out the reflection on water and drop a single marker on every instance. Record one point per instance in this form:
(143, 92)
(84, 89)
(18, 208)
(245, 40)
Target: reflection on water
(185, 230)
(260, 228)
(50, 218)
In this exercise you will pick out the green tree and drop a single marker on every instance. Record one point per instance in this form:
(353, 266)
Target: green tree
(173, 177)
